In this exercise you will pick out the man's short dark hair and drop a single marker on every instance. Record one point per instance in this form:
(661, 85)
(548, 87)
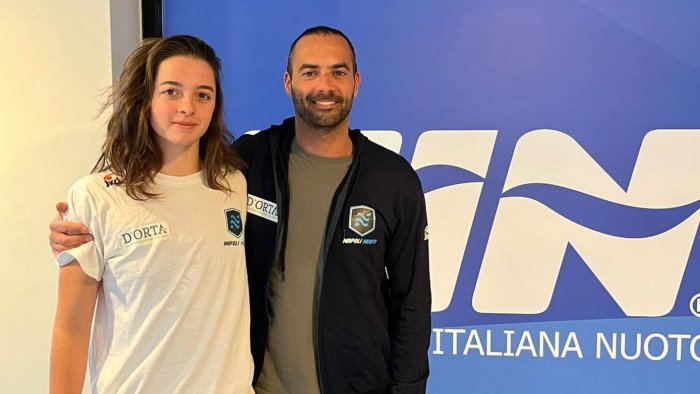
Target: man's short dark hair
(321, 31)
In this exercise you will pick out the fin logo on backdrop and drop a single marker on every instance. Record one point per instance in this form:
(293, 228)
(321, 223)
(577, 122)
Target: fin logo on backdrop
(557, 197)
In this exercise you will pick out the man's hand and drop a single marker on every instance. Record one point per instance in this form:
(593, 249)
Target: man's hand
(66, 235)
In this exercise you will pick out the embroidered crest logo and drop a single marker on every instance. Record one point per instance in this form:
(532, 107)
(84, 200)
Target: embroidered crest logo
(234, 223)
(361, 219)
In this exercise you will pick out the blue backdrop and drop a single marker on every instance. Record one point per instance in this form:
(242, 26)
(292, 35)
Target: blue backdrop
(558, 147)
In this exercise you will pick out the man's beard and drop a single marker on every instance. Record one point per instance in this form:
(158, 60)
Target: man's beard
(321, 120)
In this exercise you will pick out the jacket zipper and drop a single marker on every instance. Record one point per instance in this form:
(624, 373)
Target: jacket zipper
(337, 210)
(279, 171)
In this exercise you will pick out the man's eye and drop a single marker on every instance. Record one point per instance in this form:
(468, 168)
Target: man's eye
(340, 73)
(308, 74)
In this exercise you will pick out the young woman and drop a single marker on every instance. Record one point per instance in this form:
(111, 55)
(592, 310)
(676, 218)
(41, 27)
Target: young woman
(166, 206)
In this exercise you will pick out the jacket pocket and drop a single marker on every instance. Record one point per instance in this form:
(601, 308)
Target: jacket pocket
(351, 353)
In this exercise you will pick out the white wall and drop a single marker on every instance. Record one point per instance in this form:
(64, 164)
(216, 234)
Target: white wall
(56, 61)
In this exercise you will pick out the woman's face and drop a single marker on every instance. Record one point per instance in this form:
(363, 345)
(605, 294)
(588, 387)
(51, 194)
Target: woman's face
(183, 102)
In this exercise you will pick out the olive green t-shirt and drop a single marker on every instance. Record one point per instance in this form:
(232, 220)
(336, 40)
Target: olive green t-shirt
(290, 365)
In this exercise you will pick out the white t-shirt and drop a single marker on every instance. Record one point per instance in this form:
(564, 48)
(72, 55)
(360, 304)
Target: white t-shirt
(172, 313)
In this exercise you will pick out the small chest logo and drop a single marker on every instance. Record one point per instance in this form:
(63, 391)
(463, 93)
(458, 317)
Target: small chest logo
(361, 219)
(234, 222)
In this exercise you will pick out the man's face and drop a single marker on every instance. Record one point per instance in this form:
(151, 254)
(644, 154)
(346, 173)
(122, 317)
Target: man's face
(322, 83)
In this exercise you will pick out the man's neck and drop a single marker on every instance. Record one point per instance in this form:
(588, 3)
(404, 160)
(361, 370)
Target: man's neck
(325, 143)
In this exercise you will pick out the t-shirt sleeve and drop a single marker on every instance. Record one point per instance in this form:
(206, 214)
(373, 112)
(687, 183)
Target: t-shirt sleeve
(82, 208)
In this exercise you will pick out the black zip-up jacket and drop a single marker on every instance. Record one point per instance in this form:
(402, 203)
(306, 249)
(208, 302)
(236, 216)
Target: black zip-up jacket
(372, 304)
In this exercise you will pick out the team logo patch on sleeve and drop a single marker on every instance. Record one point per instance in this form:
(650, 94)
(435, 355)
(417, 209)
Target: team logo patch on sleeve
(234, 223)
(262, 208)
(361, 219)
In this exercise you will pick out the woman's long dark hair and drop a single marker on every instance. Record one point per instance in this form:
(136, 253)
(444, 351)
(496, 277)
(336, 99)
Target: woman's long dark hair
(130, 149)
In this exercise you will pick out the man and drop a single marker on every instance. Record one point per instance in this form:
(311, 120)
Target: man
(336, 241)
